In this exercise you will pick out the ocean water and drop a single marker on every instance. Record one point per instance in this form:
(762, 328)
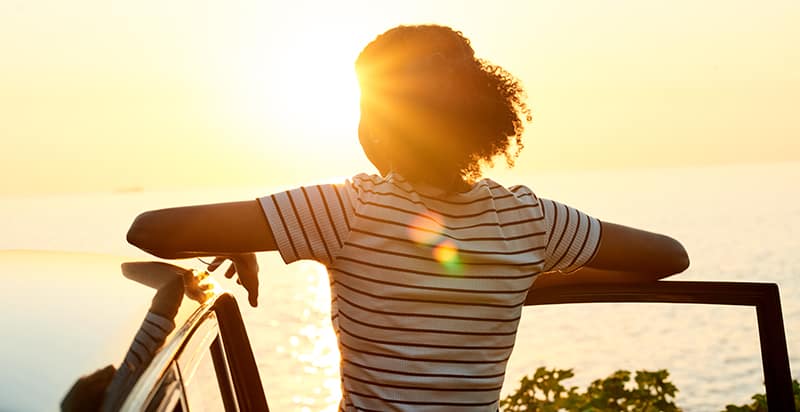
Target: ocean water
(738, 223)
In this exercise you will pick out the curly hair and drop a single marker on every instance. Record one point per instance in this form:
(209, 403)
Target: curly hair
(446, 111)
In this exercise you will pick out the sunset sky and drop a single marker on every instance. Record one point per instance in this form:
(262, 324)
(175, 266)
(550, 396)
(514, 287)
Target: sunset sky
(99, 95)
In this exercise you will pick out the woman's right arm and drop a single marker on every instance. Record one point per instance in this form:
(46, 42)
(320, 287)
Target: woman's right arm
(204, 230)
(625, 255)
(231, 230)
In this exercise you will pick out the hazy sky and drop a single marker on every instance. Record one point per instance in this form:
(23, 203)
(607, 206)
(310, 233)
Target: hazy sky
(102, 95)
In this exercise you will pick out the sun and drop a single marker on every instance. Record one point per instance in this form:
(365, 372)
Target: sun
(305, 86)
(288, 98)
(319, 92)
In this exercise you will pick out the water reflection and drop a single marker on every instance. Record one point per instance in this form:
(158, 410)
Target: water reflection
(316, 347)
(294, 343)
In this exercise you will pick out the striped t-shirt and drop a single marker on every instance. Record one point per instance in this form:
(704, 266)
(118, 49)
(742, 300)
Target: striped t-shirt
(427, 289)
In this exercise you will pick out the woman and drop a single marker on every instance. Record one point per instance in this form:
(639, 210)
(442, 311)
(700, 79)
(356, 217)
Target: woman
(429, 264)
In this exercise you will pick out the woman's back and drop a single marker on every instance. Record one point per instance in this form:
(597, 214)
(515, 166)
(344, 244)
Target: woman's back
(427, 288)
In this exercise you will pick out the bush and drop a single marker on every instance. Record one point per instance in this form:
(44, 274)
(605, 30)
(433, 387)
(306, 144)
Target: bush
(544, 392)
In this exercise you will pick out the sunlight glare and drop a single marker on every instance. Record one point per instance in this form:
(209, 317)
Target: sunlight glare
(446, 253)
(306, 86)
(426, 228)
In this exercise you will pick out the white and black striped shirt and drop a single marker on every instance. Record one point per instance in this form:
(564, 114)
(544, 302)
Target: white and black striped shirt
(427, 288)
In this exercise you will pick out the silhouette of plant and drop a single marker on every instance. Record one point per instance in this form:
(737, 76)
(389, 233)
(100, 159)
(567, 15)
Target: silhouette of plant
(545, 392)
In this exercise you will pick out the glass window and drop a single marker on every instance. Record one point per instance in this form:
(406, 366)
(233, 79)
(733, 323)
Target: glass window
(204, 371)
(168, 395)
(202, 388)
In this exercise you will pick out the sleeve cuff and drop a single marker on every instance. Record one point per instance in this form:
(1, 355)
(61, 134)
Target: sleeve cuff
(279, 230)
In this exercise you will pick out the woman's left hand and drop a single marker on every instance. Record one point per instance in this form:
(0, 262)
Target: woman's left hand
(246, 265)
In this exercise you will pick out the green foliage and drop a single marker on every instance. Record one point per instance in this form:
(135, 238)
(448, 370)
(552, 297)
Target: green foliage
(760, 402)
(544, 392)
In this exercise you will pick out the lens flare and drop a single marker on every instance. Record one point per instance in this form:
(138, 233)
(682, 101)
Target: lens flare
(446, 253)
(426, 229)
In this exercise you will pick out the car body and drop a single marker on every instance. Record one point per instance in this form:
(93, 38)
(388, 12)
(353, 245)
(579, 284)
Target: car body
(74, 313)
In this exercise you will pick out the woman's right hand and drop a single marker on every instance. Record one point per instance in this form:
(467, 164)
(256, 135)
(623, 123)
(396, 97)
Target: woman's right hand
(246, 265)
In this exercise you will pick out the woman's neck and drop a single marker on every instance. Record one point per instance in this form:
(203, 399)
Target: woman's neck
(456, 184)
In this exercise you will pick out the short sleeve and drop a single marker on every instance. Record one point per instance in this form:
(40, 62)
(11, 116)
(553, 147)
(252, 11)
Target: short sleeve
(310, 222)
(572, 237)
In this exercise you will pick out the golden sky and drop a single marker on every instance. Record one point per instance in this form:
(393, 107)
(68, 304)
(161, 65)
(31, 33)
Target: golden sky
(103, 95)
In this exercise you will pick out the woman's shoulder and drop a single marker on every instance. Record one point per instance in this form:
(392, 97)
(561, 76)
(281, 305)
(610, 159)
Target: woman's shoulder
(517, 190)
